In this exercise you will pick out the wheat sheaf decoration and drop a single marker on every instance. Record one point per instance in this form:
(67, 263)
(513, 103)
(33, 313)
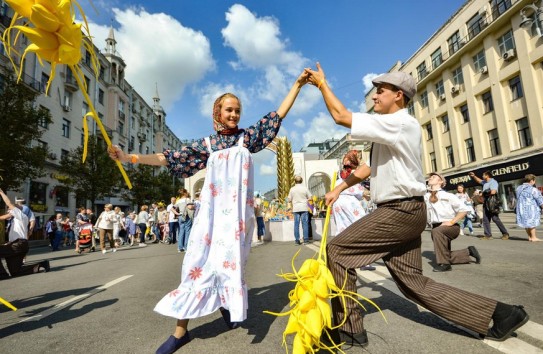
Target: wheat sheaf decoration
(310, 314)
(54, 36)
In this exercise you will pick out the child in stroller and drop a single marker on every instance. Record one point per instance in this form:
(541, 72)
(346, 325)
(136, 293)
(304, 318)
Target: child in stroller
(84, 240)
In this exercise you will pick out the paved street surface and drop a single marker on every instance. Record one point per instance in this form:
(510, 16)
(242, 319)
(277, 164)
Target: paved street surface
(95, 303)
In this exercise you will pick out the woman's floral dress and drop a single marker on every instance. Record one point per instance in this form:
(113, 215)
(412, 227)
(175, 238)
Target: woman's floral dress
(529, 202)
(212, 275)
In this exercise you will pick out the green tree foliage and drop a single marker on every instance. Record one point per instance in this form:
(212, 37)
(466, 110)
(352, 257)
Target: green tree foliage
(20, 121)
(94, 178)
(148, 186)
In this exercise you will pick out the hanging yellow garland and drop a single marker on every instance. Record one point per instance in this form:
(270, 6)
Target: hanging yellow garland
(310, 311)
(56, 38)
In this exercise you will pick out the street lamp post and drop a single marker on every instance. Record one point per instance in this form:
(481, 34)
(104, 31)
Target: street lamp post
(532, 17)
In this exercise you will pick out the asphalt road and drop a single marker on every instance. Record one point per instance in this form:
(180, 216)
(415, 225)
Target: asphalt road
(95, 303)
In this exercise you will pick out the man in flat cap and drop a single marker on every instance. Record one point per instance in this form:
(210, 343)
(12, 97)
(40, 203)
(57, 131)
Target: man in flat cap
(393, 231)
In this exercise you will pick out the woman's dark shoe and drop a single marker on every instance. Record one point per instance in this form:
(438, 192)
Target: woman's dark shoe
(172, 344)
(504, 327)
(475, 254)
(226, 316)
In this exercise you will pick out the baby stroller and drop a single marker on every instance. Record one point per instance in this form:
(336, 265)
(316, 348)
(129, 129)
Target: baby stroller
(85, 237)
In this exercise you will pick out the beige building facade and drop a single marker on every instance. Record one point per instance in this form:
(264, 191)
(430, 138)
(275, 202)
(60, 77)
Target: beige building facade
(132, 123)
(479, 94)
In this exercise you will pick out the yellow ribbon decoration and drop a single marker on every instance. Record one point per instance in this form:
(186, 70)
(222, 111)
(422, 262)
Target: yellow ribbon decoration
(56, 37)
(4, 302)
(310, 312)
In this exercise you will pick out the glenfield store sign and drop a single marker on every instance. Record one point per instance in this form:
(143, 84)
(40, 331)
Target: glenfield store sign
(509, 174)
(503, 172)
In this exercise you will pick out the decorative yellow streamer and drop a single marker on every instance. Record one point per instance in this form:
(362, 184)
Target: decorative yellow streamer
(56, 38)
(310, 313)
(8, 304)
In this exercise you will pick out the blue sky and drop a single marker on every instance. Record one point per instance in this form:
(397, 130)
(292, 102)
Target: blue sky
(196, 50)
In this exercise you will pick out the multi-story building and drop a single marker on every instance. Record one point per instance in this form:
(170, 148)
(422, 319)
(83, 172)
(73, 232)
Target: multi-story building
(480, 94)
(130, 121)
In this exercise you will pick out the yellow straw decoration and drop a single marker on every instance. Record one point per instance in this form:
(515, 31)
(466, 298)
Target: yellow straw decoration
(310, 311)
(4, 302)
(55, 37)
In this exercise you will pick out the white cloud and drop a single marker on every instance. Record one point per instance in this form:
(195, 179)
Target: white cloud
(268, 170)
(366, 80)
(322, 127)
(171, 55)
(300, 123)
(258, 46)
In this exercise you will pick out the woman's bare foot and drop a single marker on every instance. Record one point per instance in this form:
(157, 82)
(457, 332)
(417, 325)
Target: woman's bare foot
(534, 239)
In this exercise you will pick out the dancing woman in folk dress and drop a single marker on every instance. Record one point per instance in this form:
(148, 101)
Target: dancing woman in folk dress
(212, 275)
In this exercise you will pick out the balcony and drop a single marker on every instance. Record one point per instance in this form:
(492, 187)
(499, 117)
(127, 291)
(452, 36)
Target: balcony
(32, 83)
(70, 84)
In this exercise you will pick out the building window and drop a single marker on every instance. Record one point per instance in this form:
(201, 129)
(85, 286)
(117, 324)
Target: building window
(479, 61)
(445, 120)
(450, 155)
(100, 96)
(433, 161)
(506, 42)
(44, 81)
(475, 25)
(121, 128)
(87, 83)
(88, 58)
(42, 144)
(494, 141)
(454, 43)
(516, 88)
(465, 112)
(470, 149)
(437, 58)
(524, 134)
(131, 143)
(84, 109)
(65, 128)
(458, 77)
(102, 72)
(488, 104)
(43, 121)
(429, 134)
(424, 99)
(440, 89)
(63, 154)
(499, 7)
(67, 99)
(421, 71)
(411, 109)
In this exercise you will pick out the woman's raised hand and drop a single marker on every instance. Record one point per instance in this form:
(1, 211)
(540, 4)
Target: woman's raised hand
(117, 154)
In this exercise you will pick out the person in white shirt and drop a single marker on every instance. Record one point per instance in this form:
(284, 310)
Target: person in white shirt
(15, 250)
(298, 197)
(105, 226)
(173, 217)
(393, 231)
(445, 212)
